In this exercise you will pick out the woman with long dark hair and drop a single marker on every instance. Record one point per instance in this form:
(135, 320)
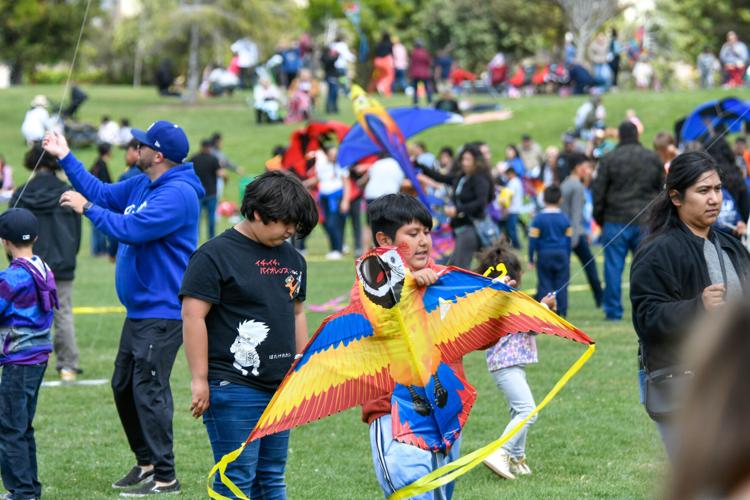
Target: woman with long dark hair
(472, 192)
(683, 269)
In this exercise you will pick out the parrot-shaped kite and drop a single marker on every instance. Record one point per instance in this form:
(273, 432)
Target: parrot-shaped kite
(396, 338)
(380, 130)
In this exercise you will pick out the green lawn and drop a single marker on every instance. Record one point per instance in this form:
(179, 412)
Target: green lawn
(594, 440)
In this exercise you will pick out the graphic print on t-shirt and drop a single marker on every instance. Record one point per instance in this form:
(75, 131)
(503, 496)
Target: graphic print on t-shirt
(250, 334)
(292, 282)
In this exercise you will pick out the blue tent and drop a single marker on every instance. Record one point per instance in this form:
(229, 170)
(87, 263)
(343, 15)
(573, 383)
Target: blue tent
(713, 117)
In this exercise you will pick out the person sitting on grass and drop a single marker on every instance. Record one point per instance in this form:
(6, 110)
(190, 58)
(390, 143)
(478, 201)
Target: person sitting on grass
(27, 299)
(506, 361)
(244, 323)
(401, 220)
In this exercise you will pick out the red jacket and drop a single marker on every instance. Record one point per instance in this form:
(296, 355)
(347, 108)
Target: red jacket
(421, 64)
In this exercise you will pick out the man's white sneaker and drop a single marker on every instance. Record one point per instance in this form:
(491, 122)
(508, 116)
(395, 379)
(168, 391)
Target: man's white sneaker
(334, 255)
(499, 463)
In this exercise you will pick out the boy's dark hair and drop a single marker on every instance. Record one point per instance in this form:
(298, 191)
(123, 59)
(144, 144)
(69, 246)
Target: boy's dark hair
(133, 144)
(33, 155)
(446, 150)
(104, 148)
(577, 159)
(500, 252)
(206, 144)
(552, 195)
(279, 196)
(388, 213)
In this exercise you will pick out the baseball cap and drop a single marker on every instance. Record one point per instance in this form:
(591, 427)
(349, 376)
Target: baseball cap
(165, 137)
(18, 225)
(39, 100)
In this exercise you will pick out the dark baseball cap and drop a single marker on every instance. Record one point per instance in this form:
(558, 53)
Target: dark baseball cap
(165, 137)
(18, 225)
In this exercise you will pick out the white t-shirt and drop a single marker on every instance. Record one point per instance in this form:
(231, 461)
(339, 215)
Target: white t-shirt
(39, 264)
(345, 55)
(247, 52)
(35, 124)
(330, 175)
(386, 177)
(516, 202)
(109, 132)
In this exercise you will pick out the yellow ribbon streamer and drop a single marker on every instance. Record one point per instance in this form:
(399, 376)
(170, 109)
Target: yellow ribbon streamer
(221, 467)
(459, 467)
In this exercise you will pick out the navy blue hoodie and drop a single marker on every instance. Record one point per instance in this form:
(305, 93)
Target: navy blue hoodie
(156, 224)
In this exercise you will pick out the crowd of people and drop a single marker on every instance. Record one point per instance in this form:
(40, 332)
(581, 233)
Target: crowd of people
(289, 86)
(681, 210)
(598, 187)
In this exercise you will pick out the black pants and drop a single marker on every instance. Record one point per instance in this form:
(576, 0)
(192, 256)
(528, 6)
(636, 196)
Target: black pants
(467, 244)
(583, 252)
(140, 383)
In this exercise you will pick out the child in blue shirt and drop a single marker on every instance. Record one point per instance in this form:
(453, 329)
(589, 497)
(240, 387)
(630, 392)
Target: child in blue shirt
(549, 240)
(27, 297)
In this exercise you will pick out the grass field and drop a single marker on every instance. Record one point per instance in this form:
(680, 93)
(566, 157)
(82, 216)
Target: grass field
(594, 440)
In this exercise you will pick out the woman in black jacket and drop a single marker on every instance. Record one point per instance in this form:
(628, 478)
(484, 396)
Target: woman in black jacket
(472, 192)
(679, 272)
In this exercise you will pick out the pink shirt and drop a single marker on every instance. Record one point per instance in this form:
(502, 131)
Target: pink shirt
(400, 57)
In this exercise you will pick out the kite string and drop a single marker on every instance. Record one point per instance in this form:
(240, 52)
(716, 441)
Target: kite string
(62, 100)
(643, 210)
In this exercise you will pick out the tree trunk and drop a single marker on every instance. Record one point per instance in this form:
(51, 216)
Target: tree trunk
(193, 70)
(583, 39)
(16, 72)
(138, 60)
(218, 47)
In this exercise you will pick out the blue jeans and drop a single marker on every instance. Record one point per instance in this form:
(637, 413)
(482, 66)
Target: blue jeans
(603, 73)
(98, 241)
(398, 464)
(399, 82)
(208, 205)
(427, 86)
(19, 391)
(615, 251)
(510, 227)
(355, 215)
(233, 412)
(334, 220)
(553, 273)
(512, 382)
(332, 98)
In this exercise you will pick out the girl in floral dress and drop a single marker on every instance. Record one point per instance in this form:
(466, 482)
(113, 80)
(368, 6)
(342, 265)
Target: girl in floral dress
(506, 361)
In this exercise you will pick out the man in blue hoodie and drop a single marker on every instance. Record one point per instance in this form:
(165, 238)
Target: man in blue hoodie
(154, 217)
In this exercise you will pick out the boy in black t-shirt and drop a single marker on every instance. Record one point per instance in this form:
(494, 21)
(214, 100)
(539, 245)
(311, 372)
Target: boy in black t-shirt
(243, 324)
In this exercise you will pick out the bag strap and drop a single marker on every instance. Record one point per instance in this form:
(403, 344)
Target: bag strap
(720, 253)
